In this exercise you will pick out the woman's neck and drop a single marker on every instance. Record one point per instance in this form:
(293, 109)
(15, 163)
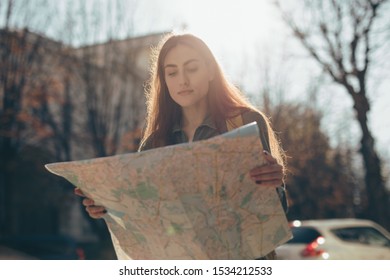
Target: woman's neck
(193, 118)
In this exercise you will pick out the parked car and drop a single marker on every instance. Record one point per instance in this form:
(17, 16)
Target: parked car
(44, 247)
(336, 239)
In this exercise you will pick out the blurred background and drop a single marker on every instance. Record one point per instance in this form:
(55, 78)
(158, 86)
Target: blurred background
(72, 76)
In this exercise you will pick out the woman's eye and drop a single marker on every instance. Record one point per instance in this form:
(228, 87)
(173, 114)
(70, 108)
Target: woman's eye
(193, 69)
(171, 74)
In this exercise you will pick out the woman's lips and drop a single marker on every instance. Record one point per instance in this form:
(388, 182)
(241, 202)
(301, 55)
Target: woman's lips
(185, 92)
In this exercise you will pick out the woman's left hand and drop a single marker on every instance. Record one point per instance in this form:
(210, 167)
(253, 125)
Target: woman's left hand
(268, 175)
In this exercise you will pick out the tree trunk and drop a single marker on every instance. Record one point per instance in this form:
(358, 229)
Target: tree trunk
(378, 200)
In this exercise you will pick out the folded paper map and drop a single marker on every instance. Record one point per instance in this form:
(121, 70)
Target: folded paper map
(186, 201)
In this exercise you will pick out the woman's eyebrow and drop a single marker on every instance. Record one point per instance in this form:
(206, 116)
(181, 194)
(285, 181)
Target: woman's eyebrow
(185, 63)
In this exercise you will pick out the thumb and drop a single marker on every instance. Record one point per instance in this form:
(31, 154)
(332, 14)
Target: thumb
(270, 159)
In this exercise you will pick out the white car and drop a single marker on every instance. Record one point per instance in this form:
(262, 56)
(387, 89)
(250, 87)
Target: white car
(337, 239)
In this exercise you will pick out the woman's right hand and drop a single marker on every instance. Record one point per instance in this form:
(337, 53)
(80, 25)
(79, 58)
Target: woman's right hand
(93, 210)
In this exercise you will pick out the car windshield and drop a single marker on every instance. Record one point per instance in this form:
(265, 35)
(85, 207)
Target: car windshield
(364, 235)
(304, 235)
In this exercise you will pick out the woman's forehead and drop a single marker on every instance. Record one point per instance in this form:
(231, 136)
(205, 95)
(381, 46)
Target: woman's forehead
(181, 54)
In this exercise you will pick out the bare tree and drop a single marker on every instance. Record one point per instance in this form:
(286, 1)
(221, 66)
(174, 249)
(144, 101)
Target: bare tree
(320, 178)
(20, 54)
(342, 37)
(112, 84)
(37, 91)
(53, 97)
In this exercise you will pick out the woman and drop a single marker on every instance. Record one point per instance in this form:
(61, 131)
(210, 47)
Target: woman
(190, 99)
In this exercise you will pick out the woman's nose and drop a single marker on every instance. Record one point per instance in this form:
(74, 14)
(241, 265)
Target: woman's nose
(184, 80)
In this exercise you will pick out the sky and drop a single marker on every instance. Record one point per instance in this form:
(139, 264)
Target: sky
(247, 37)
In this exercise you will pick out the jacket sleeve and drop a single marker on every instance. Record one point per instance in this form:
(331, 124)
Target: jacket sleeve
(251, 116)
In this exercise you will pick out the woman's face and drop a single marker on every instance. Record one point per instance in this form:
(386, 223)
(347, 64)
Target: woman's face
(187, 76)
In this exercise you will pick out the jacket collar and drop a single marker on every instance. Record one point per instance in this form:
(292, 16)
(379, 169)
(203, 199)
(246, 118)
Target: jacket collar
(208, 121)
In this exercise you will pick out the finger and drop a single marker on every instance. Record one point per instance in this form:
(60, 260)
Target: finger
(88, 202)
(267, 177)
(79, 192)
(265, 169)
(269, 157)
(96, 212)
(272, 183)
(97, 216)
(95, 209)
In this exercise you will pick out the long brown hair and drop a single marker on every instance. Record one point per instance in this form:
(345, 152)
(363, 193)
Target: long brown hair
(225, 99)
